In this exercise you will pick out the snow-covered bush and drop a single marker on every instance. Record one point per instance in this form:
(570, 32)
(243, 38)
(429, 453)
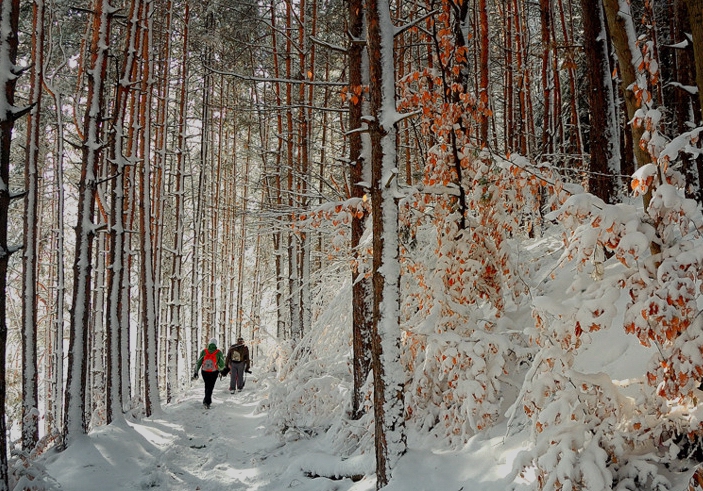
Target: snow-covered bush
(460, 340)
(312, 389)
(587, 434)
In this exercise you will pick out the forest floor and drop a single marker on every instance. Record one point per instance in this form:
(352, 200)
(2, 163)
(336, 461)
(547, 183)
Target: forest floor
(187, 447)
(229, 446)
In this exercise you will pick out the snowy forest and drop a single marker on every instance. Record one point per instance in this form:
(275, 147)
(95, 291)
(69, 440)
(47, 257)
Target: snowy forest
(419, 214)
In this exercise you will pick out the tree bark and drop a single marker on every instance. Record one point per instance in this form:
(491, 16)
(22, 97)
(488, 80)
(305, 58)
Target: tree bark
(75, 412)
(117, 250)
(361, 289)
(9, 20)
(695, 14)
(620, 26)
(148, 279)
(602, 137)
(30, 396)
(390, 439)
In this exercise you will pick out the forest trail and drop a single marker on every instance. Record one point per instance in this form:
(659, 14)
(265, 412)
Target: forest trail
(230, 447)
(185, 447)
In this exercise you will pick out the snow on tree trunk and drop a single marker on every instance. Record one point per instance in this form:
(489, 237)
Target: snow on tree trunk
(115, 330)
(30, 398)
(74, 415)
(695, 13)
(605, 150)
(176, 290)
(96, 370)
(623, 36)
(149, 287)
(358, 158)
(9, 17)
(388, 376)
(55, 399)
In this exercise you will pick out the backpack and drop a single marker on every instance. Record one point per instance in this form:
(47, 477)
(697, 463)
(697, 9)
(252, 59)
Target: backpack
(236, 356)
(210, 361)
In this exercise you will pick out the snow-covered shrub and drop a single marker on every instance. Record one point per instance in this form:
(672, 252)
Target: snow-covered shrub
(460, 341)
(661, 273)
(587, 434)
(312, 390)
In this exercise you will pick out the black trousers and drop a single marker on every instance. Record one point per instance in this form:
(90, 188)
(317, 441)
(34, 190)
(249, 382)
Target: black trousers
(209, 378)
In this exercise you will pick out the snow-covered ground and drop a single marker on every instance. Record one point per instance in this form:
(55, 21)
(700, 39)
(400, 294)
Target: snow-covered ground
(228, 447)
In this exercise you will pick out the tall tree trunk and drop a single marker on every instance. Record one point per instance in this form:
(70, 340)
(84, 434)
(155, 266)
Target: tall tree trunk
(149, 308)
(683, 104)
(483, 70)
(621, 26)
(57, 350)
(176, 290)
(114, 328)
(9, 20)
(30, 398)
(603, 133)
(548, 77)
(389, 407)
(275, 196)
(695, 14)
(74, 414)
(292, 242)
(361, 285)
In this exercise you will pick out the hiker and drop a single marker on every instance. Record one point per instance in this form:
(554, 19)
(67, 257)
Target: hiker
(212, 362)
(237, 362)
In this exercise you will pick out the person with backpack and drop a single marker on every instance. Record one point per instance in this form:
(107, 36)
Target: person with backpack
(238, 363)
(212, 363)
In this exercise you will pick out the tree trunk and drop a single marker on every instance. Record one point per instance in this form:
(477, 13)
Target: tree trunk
(619, 25)
(74, 414)
(548, 77)
(361, 289)
(115, 273)
(483, 70)
(9, 20)
(603, 134)
(149, 287)
(695, 14)
(56, 382)
(176, 290)
(390, 440)
(30, 397)
(621, 30)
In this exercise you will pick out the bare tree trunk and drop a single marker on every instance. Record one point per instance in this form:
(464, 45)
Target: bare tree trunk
(276, 199)
(621, 28)
(361, 289)
(683, 104)
(30, 397)
(389, 407)
(115, 330)
(483, 70)
(176, 290)
(292, 242)
(548, 77)
(620, 23)
(9, 20)
(603, 132)
(695, 14)
(148, 280)
(74, 414)
(56, 382)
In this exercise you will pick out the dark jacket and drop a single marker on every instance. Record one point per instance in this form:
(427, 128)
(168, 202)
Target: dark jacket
(243, 355)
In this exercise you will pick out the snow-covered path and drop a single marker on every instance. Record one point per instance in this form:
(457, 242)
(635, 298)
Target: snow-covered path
(189, 448)
(186, 447)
